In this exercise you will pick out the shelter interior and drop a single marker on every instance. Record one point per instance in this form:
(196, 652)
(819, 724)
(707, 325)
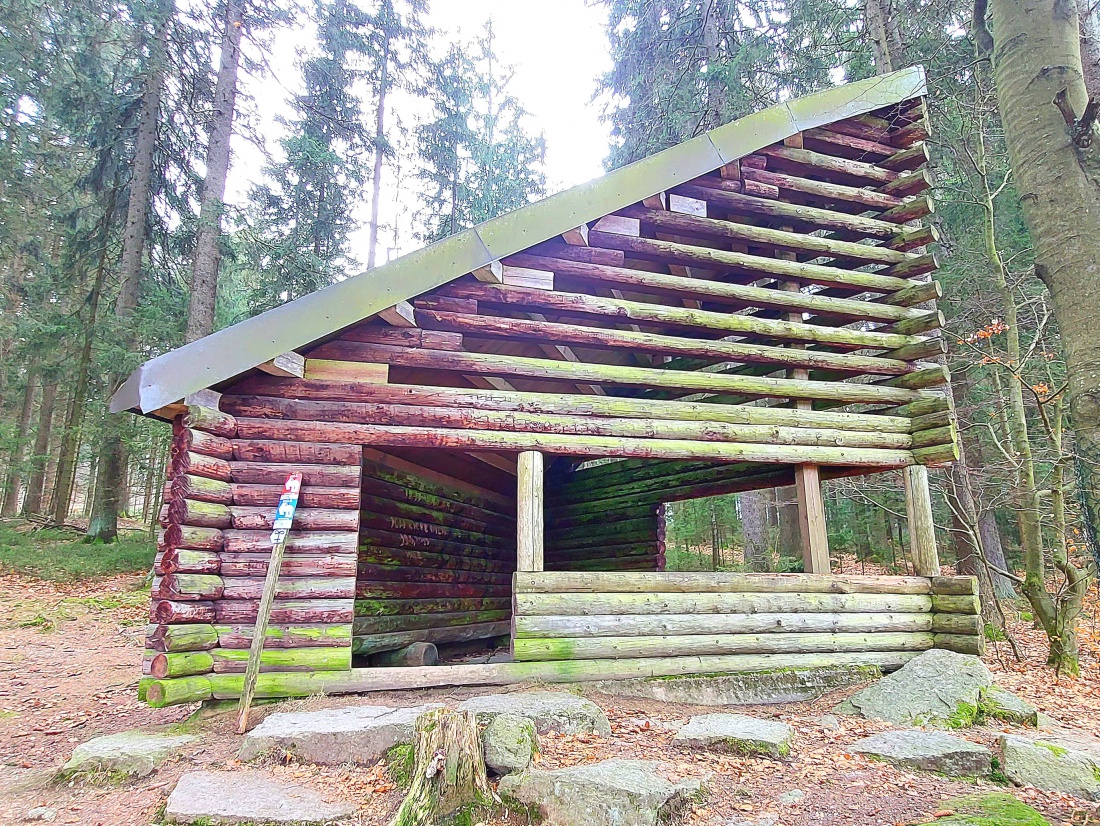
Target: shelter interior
(490, 457)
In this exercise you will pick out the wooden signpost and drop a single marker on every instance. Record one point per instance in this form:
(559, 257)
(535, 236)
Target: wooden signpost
(284, 518)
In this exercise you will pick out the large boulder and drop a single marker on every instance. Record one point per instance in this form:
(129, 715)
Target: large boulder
(1003, 705)
(356, 734)
(129, 754)
(247, 797)
(1052, 764)
(611, 793)
(932, 751)
(509, 743)
(737, 733)
(549, 710)
(938, 687)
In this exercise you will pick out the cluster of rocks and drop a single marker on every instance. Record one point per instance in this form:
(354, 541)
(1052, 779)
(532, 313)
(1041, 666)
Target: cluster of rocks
(934, 693)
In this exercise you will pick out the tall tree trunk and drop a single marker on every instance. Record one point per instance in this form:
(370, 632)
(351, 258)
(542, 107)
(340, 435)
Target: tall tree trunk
(103, 525)
(754, 529)
(204, 272)
(36, 486)
(1088, 11)
(881, 26)
(1036, 61)
(790, 535)
(13, 485)
(379, 145)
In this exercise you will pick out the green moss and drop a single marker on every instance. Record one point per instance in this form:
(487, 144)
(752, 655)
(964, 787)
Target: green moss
(996, 809)
(1057, 751)
(965, 715)
(993, 633)
(400, 762)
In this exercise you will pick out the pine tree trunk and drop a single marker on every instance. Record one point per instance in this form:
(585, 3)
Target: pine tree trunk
(13, 485)
(754, 530)
(449, 772)
(204, 272)
(36, 486)
(379, 142)
(790, 535)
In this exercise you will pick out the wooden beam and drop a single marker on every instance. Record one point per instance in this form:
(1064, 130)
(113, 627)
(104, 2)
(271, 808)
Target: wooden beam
(528, 277)
(922, 528)
(811, 519)
(332, 370)
(401, 314)
(529, 512)
(491, 273)
(289, 364)
(577, 237)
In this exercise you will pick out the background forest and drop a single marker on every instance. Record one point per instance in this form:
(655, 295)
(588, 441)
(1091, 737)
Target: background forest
(117, 244)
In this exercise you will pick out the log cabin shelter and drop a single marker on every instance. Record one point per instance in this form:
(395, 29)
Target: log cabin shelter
(489, 428)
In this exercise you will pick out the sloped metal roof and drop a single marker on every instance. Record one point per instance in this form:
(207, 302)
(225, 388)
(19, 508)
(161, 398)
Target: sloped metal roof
(230, 352)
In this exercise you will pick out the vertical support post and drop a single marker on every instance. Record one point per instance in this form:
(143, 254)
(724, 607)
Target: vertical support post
(922, 530)
(529, 511)
(811, 519)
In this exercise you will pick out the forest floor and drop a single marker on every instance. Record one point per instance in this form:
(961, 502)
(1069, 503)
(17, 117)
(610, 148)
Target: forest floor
(70, 656)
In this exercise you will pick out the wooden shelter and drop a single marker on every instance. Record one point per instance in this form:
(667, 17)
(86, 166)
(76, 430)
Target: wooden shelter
(489, 427)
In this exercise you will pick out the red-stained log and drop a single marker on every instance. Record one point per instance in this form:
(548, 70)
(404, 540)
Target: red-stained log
(197, 464)
(256, 449)
(199, 489)
(198, 514)
(171, 612)
(272, 473)
(256, 564)
(321, 587)
(286, 611)
(248, 518)
(311, 496)
(192, 538)
(188, 587)
(185, 439)
(180, 561)
(300, 542)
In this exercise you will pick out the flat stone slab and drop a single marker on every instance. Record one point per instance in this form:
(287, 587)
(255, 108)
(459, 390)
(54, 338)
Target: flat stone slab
(790, 685)
(1051, 764)
(130, 753)
(936, 688)
(356, 734)
(931, 751)
(1000, 704)
(735, 732)
(611, 793)
(247, 797)
(991, 809)
(549, 710)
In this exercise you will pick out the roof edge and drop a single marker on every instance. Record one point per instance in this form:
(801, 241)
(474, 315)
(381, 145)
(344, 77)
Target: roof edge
(230, 352)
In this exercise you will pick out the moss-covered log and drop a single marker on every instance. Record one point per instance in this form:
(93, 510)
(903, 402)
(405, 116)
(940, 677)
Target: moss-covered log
(322, 658)
(286, 636)
(719, 603)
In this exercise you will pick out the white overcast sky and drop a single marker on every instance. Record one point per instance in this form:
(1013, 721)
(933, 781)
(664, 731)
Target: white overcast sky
(557, 51)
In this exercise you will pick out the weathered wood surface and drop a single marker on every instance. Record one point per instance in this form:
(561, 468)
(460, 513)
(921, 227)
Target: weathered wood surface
(686, 582)
(172, 638)
(323, 658)
(721, 603)
(371, 643)
(285, 611)
(654, 625)
(285, 636)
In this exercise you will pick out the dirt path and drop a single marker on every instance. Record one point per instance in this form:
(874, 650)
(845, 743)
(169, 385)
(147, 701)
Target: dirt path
(70, 657)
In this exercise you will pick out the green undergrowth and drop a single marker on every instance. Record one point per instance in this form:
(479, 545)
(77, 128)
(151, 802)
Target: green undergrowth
(964, 716)
(61, 556)
(996, 809)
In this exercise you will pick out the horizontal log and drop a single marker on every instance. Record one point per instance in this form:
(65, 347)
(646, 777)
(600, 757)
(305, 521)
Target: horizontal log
(929, 348)
(928, 376)
(373, 489)
(172, 612)
(911, 210)
(321, 587)
(596, 648)
(247, 518)
(383, 466)
(645, 545)
(483, 547)
(185, 440)
(189, 587)
(917, 294)
(827, 166)
(384, 506)
(717, 603)
(373, 589)
(955, 585)
(912, 183)
(406, 337)
(957, 624)
(937, 455)
(717, 583)
(181, 664)
(285, 611)
(962, 644)
(621, 376)
(384, 555)
(677, 625)
(384, 607)
(335, 410)
(180, 561)
(809, 218)
(399, 623)
(299, 542)
(310, 496)
(323, 658)
(293, 565)
(919, 236)
(414, 654)
(286, 636)
(931, 403)
(163, 693)
(636, 563)
(201, 489)
(933, 421)
(824, 193)
(269, 473)
(914, 157)
(174, 638)
(934, 436)
(198, 514)
(599, 446)
(209, 420)
(253, 448)
(399, 573)
(195, 464)
(968, 604)
(370, 644)
(189, 537)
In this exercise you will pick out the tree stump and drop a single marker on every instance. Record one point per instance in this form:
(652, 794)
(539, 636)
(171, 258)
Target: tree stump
(449, 770)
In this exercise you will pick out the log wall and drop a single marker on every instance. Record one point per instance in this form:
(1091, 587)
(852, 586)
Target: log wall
(609, 616)
(435, 561)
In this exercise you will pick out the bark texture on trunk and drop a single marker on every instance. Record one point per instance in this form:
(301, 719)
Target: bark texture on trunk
(379, 144)
(754, 530)
(204, 272)
(1037, 57)
(36, 486)
(13, 485)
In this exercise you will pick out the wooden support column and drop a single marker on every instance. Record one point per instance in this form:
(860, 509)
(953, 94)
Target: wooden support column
(529, 511)
(922, 530)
